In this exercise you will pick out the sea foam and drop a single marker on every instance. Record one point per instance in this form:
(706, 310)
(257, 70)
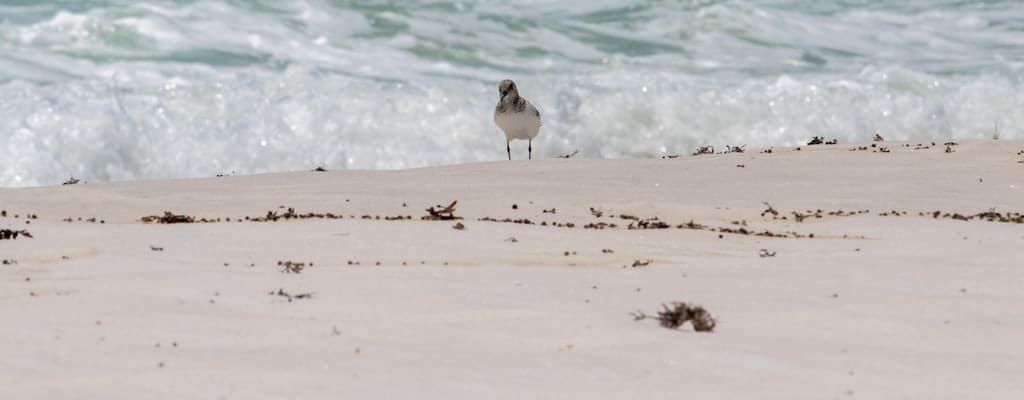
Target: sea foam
(109, 90)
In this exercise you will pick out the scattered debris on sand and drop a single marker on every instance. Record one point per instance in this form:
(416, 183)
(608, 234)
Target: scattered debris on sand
(71, 181)
(990, 216)
(570, 155)
(735, 149)
(674, 316)
(669, 156)
(459, 226)
(289, 296)
(320, 168)
(704, 150)
(168, 218)
(821, 140)
(9, 234)
(641, 264)
(764, 253)
(691, 225)
(650, 223)
(878, 137)
(292, 267)
(437, 213)
(524, 221)
(599, 225)
(156, 248)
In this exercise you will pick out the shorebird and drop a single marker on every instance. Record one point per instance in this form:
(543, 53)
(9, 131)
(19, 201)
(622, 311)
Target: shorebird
(516, 117)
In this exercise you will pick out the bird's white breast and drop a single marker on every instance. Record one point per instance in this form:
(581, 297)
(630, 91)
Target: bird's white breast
(519, 125)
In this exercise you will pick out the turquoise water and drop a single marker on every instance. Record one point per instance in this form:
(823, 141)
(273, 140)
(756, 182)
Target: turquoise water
(114, 90)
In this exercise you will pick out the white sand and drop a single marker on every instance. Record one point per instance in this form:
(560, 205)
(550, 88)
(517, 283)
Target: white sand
(919, 308)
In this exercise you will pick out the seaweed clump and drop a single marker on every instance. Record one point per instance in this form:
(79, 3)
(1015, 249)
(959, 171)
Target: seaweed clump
(674, 315)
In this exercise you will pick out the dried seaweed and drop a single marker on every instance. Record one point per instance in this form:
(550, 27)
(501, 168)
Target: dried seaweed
(10, 234)
(650, 223)
(674, 316)
(169, 218)
(292, 267)
(704, 150)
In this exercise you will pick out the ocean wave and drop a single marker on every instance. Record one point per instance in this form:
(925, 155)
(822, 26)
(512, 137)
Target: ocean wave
(116, 90)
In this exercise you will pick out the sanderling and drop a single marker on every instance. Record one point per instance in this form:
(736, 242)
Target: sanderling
(516, 117)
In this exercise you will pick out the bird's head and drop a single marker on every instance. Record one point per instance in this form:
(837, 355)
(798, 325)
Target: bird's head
(507, 87)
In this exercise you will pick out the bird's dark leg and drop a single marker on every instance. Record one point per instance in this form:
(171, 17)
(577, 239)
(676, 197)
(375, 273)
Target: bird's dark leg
(508, 147)
(529, 149)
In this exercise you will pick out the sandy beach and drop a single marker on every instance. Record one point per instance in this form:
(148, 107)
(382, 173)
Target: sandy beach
(883, 275)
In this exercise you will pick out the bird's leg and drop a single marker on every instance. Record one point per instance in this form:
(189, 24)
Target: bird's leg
(508, 147)
(529, 149)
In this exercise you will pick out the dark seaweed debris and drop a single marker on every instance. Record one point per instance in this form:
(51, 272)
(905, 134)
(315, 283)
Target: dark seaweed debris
(674, 316)
(169, 218)
(289, 296)
(438, 213)
(10, 234)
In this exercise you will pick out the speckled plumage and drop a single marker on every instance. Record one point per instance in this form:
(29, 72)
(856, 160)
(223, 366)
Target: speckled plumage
(516, 116)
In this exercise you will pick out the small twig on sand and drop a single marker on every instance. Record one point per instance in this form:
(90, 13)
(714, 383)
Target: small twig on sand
(437, 213)
(639, 264)
(570, 155)
(289, 296)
